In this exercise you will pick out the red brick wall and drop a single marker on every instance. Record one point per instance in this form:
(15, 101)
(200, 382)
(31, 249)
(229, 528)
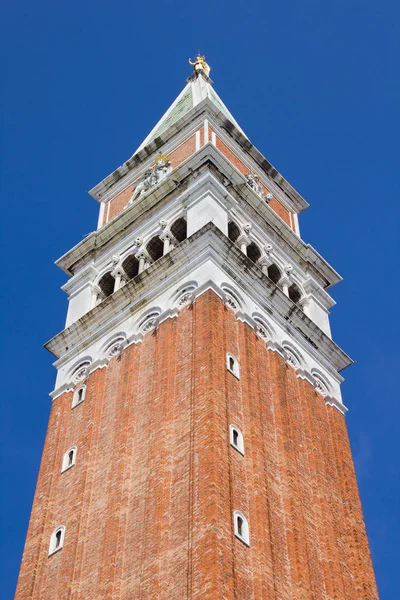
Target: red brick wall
(148, 506)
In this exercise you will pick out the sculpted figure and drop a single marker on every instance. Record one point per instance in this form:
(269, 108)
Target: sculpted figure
(160, 170)
(254, 182)
(145, 184)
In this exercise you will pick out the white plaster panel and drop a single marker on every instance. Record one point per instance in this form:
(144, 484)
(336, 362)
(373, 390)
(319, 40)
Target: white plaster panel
(205, 211)
(319, 315)
(79, 304)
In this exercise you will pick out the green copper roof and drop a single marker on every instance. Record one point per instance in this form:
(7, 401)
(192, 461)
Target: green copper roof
(181, 107)
(218, 102)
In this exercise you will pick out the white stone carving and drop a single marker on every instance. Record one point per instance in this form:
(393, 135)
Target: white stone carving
(291, 359)
(262, 331)
(253, 181)
(248, 227)
(148, 325)
(81, 372)
(149, 322)
(289, 269)
(319, 384)
(115, 348)
(185, 299)
(231, 301)
(160, 170)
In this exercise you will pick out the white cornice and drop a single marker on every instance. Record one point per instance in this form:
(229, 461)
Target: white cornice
(209, 243)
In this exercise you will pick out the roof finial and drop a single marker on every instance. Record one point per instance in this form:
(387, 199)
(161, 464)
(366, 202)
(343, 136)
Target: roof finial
(200, 65)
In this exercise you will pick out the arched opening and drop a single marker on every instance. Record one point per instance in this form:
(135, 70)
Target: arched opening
(106, 284)
(241, 527)
(131, 266)
(294, 293)
(274, 273)
(69, 459)
(232, 365)
(233, 231)
(155, 248)
(179, 229)
(57, 539)
(253, 252)
(236, 439)
(79, 396)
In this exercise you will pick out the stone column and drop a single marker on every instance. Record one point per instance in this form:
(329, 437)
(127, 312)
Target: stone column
(142, 263)
(264, 262)
(144, 260)
(166, 244)
(243, 241)
(284, 283)
(117, 282)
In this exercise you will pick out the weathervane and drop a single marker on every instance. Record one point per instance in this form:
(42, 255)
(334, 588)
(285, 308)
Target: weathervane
(200, 65)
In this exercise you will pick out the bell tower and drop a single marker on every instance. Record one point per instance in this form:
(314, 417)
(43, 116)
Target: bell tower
(197, 446)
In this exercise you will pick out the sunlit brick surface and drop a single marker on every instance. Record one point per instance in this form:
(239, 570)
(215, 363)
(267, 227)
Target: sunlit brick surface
(148, 506)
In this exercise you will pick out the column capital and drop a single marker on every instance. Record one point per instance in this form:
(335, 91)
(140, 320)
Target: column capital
(96, 290)
(168, 235)
(143, 254)
(265, 260)
(243, 240)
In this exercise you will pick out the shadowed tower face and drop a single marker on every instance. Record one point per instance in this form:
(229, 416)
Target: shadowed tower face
(197, 445)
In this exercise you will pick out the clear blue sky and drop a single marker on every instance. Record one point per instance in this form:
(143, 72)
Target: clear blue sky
(315, 85)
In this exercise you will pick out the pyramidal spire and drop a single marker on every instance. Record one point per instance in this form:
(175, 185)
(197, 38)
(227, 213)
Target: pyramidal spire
(198, 88)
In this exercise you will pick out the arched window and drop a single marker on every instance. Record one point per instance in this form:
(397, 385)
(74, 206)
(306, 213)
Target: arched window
(57, 539)
(131, 266)
(233, 231)
(236, 439)
(179, 229)
(274, 273)
(294, 293)
(69, 459)
(232, 365)
(253, 252)
(241, 527)
(106, 284)
(79, 395)
(155, 248)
